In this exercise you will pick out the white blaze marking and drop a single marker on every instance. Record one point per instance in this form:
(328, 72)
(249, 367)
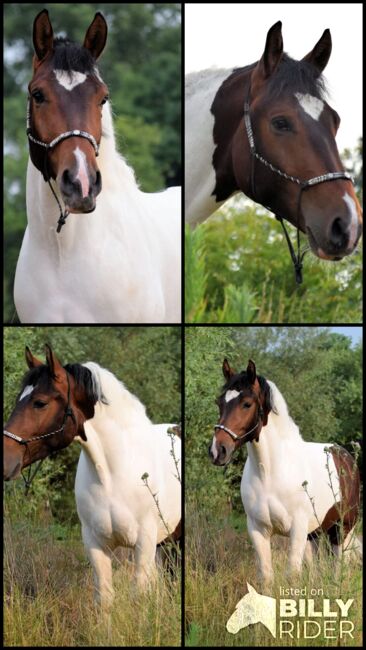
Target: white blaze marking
(214, 448)
(353, 226)
(231, 394)
(26, 391)
(82, 172)
(69, 79)
(311, 105)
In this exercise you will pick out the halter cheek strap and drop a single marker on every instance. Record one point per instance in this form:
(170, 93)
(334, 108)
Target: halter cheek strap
(51, 145)
(297, 258)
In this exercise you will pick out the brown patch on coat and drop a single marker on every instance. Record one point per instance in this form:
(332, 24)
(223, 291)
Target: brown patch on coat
(344, 512)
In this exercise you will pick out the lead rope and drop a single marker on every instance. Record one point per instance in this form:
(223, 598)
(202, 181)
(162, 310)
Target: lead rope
(297, 258)
(29, 479)
(63, 214)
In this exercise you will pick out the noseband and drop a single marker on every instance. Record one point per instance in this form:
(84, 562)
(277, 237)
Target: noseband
(51, 145)
(21, 441)
(297, 259)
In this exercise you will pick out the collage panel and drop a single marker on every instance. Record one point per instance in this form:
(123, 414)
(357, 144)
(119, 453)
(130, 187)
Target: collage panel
(273, 454)
(182, 444)
(93, 426)
(92, 220)
(273, 164)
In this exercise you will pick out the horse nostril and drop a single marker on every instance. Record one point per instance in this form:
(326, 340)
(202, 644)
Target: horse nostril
(222, 450)
(338, 233)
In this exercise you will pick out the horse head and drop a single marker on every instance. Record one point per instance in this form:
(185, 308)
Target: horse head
(66, 95)
(244, 405)
(50, 411)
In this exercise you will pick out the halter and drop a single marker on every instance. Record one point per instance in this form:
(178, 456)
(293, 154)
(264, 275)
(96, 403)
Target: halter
(297, 259)
(233, 435)
(21, 441)
(52, 145)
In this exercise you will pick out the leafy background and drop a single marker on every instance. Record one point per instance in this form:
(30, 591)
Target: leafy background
(141, 65)
(239, 270)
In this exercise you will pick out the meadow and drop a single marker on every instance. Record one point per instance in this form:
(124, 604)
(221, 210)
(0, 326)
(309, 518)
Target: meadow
(48, 589)
(220, 560)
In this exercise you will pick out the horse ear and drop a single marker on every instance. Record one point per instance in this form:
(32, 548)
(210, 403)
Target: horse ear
(319, 56)
(251, 589)
(53, 363)
(96, 36)
(42, 35)
(32, 362)
(271, 56)
(251, 372)
(227, 371)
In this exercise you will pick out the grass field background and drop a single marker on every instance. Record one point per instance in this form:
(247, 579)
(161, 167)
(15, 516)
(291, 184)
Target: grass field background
(220, 560)
(48, 590)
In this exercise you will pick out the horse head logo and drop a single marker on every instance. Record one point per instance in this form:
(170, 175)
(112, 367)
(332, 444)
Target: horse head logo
(253, 608)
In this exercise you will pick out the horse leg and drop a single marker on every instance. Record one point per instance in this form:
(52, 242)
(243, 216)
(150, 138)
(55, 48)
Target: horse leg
(298, 542)
(145, 551)
(262, 545)
(101, 561)
(310, 550)
(351, 549)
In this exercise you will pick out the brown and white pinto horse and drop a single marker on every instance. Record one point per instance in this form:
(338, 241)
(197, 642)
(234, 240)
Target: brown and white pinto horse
(283, 474)
(116, 259)
(120, 445)
(268, 131)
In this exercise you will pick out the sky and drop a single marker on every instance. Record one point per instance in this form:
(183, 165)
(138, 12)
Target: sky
(354, 333)
(227, 35)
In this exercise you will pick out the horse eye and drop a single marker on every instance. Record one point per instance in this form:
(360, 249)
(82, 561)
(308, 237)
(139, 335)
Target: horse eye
(281, 124)
(38, 96)
(104, 100)
(246, 405)
(38, 404)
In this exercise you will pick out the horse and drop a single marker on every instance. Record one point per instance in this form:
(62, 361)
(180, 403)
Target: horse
(127, 484)
(112, 253)
(267, 130)
(289, 487)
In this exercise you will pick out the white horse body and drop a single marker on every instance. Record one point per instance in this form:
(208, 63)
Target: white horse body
(201, 88)
(272, 491)
(114, 505)
(120, 263)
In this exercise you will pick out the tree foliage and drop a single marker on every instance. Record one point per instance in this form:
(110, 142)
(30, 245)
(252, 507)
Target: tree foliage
(318, 372)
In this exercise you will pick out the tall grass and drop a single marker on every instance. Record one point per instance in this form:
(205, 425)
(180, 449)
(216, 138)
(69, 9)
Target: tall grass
(220, 560)
(48, 593)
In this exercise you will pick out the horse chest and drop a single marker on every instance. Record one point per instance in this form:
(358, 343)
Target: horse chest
(59, 288)
(109, 519)
(263, 504)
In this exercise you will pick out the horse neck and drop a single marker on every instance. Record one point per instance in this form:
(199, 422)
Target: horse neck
(123, 408)
(265, 455)
(117, 431)
(202, 142)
